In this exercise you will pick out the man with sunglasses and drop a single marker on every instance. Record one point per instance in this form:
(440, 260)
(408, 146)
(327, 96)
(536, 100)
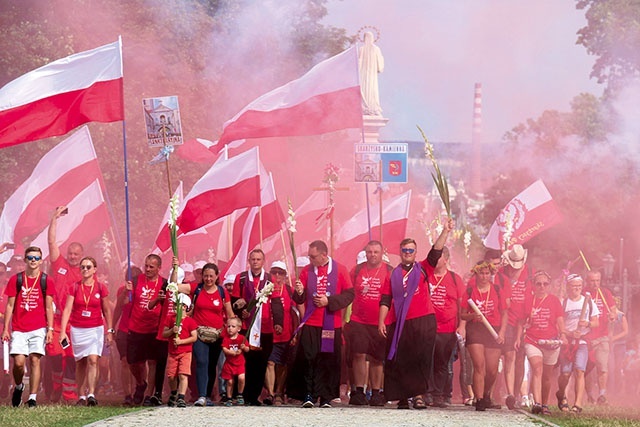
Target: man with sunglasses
(407, 320)
(28, 322)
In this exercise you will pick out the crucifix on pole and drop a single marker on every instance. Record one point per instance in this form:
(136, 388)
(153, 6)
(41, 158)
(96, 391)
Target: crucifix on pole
(331, 178)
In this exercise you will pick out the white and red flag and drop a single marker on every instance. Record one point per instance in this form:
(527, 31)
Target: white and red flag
(228, 185)
(326, 99)
(196, 150)
(60, 96)
(88, 219)
(526, 215)
(60, 175)
(354, 234)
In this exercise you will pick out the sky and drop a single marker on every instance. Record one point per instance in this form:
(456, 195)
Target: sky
(523, 53)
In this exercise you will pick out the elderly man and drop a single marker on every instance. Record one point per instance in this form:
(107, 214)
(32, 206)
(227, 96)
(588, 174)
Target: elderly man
(325, 288)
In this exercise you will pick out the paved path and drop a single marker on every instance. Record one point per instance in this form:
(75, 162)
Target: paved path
(251, 416)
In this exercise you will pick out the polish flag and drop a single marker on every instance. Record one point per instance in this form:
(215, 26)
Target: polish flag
(196, 150)
(228, 185)
(88, 219)
(310, 220)
(354, 234)
(326, 99)
(58, 177)
(526, 215)
(60, 96)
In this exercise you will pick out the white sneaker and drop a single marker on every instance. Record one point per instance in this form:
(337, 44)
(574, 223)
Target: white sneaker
(200, 402)
(525, 401)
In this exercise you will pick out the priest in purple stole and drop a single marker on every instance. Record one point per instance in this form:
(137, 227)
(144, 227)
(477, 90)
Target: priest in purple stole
(325, 288)
(407, 319)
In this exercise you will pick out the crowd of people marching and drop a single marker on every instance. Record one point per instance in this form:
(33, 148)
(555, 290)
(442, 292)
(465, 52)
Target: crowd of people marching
(299, 334)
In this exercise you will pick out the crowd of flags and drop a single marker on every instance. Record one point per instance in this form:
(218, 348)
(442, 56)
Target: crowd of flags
(233, 207)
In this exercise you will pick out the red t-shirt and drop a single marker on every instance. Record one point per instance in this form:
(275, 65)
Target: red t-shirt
(187, 326)
(266, 327)
(367, 292)
(446, 293)
(123, 322)
(234, 365)
(490, 304)
(209, 308)
(603, 318)
(421, 304)
(64, 276)
(344, 282)
(519, 291)
(281, 292)
(143, 320)
(29, 311)
(86, 311)
(168, 309)
(543, 318)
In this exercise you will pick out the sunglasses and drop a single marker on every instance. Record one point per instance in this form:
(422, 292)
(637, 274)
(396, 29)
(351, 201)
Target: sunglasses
(542, 283)
(86, 267)
(33, 258)
(408, 250)
(278, 272)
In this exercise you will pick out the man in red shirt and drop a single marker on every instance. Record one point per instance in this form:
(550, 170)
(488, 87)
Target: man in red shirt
(599, 336)
(143, 348)
(407, 319)
(362, 330)
(325, 288)
(28, 322)
(65, 272)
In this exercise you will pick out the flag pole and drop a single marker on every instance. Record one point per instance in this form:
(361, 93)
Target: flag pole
(126, 201)
(366, 189)
(381, 209)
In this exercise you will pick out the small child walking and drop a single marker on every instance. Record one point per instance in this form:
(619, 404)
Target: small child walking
(180, 352)
(233, 347)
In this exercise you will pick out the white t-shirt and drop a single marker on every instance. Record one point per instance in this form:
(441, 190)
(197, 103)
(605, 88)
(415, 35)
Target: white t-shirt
(572, 310)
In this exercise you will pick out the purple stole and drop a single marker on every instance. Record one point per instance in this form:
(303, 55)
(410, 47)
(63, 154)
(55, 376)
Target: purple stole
(402, 300)
(328, 322)
(249, 291)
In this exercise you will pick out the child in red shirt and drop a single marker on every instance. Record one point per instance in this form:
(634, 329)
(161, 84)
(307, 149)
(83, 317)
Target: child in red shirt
(180, 351)
(233, 345)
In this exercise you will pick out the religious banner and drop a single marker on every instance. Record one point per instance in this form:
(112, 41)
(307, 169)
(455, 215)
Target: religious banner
(162, 120)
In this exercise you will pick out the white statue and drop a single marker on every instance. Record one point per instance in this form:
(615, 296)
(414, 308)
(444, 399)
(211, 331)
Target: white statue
(370, 63)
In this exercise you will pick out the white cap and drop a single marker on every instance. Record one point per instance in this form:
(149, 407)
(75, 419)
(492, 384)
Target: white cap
(302, 261)
(188, 268)
(362, 257)
(279, 264)
(184, 299)
(199, 265)
(229, 278)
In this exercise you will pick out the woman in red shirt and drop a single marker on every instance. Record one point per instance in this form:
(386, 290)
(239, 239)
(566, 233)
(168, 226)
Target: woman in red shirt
(484, 349)
(86, 309)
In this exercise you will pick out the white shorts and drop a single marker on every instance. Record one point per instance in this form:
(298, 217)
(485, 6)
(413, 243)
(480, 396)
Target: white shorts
(549, 355)
(87, 341)
(28, 342)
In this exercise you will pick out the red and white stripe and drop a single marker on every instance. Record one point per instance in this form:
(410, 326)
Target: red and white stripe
(62, 95)
(327, 98)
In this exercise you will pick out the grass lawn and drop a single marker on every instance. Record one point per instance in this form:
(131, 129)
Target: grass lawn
(57, 415)
(597, 416)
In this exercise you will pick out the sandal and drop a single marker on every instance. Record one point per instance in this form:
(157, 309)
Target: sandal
(576, 409)
(545, 410)
(277, 400)
(419, 403)
(563, 404)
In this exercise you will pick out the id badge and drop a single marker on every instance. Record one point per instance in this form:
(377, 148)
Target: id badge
(86, 313)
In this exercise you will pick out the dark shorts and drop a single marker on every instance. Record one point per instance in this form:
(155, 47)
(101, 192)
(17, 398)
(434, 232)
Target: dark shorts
(143, 347)
(121, 343)
(477, 333)
(365, 339)
(279, 353)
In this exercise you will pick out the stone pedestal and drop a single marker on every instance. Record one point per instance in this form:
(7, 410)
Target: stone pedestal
(372, 126)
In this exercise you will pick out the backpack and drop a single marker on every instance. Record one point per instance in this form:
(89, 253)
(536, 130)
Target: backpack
(199, 288)
(43, 283)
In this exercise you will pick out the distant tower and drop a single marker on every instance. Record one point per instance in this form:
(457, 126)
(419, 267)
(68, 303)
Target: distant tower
(476, 141)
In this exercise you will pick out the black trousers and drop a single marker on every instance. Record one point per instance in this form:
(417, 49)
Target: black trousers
(256, 368)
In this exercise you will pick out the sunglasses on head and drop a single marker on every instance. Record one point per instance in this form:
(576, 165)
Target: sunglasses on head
(33, 258)
(408, 250)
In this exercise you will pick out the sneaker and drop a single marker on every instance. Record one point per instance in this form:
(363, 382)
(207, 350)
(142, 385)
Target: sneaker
(326, 404)
(180, 403)
(358, 399)
(378, 399)
(31, 403)
(138, 395)
(510, 401)
(147, 401)
(16, 397)
(224, 398)
(602, 400)
(200, 402)
(490, 404)
(536, 409)
(81, 402)
(210, 402)
(481, 405)
(172, 400)
(155, 400)
(308, 402)
(439, 402)
(92, 401)
(128, 400)
(240, 400)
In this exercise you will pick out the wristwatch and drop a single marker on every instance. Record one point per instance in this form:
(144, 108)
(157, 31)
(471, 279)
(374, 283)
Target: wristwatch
(49, 328)
(111, 331)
